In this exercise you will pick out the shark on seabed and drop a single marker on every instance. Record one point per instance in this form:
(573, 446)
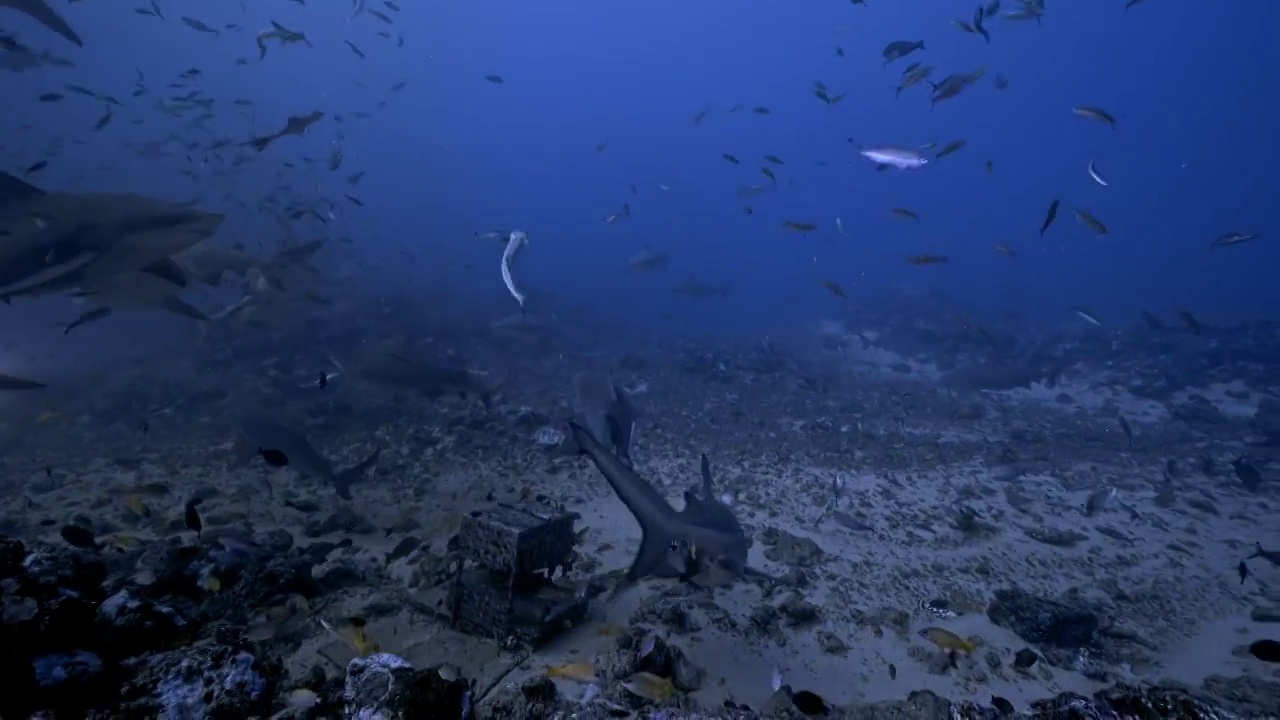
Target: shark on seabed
(703, 544)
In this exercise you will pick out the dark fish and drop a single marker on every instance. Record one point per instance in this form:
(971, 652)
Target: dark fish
(1248, 475)
(809, 703)
(324, 379)
(1266, 650)
(85, 318)
(1049, 216)
(900, 48)
(275, 458)
(1084, 217)
(1128, 431)
(1243, 570)
(191, 516)
(78, 536)
(1094, 113)
(495, 79)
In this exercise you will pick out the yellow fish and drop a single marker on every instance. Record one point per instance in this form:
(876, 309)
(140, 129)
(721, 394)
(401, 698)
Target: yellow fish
(48, 415)
(577, 671)
(650, 687)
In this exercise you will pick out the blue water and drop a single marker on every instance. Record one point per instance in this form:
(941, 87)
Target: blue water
(1193, 155)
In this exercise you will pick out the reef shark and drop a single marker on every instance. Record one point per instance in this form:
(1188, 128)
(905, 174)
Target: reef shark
(55, 241)
(140, 291)
(258, 432)
(9, 382)
(703, 543)
(606, 410)
(41, 12)
(432, 380)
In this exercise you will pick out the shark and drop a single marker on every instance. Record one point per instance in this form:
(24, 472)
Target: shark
(258, 431)
(43, 13)
(703, 543)
(9, 382)
(607, 411)
(140, 291)
(432, 380)
(16, 57)
(58, 241)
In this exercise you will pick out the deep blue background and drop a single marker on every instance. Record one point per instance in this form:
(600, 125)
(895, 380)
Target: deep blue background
(1193, 156)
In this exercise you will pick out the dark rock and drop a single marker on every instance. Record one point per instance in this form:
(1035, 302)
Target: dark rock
(129, 625)
(1267, 419)
(1043, 622)
(12, 553)
(64, 673)
(1199, 414)
(207, 679)
(1120, 700)
(1025, 658)
(385, 686)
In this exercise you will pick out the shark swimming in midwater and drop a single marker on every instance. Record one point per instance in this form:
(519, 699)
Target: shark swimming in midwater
(9, 382)
(258, 432)
(703, 543)
(55, 241)
(43, 13)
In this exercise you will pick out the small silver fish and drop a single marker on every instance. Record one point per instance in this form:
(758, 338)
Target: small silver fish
(893, 157)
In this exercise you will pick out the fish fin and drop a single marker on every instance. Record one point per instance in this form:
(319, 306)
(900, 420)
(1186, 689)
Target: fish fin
(13, 189)
(651, 558)
(342, 481)
(168, 270)
(178, 306)
(692, 503)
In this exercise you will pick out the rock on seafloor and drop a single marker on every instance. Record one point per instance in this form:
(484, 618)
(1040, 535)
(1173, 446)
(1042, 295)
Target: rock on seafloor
(383, 686)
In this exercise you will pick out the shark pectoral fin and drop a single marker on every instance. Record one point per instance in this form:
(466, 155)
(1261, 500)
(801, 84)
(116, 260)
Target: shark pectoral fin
(653, 558)
(342, 481)
(692, 503)
(178, 306)
(168, 270)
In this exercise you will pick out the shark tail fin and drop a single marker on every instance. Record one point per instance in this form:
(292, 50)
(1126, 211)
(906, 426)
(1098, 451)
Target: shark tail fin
(343, 481)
